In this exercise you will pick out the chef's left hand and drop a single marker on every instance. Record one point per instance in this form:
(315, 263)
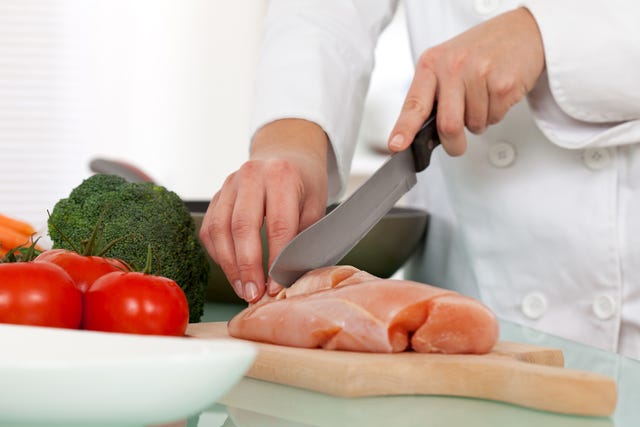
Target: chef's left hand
(476, 78)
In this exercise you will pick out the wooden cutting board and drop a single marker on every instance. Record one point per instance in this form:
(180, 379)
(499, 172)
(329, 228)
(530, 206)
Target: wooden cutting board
(520, 374)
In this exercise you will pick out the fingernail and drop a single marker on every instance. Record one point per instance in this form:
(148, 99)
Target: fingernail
(237, 287)
(396, 142)
(250, 291)
(274, 288)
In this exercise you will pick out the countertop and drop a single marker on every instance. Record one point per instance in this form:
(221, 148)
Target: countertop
(254, 403)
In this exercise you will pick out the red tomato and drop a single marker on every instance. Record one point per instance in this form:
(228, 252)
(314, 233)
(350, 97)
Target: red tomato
(38, 294)
(136, 303)
(83, 269)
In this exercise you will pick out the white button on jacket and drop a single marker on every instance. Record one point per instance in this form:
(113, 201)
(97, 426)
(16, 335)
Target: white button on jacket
(485, 7)
(604, 307)
(557, 210)
(534, 305)
(596, 158)
(501, 154)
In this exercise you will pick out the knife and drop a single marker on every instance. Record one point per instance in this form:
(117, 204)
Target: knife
(329, 239)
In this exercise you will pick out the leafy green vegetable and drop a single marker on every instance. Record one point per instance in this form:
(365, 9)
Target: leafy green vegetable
(141, 215)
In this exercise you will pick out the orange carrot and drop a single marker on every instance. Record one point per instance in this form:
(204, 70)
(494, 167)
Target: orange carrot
(10, 238)
(17, 225)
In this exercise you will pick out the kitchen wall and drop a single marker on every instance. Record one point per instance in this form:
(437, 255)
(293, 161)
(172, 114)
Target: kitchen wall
(162, 84)
(175, 86)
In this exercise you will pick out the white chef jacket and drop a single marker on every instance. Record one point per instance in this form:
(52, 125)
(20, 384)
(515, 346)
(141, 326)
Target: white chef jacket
(540, 218)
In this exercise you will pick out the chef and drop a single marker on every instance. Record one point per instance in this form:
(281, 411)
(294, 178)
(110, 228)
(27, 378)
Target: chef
(535, 194)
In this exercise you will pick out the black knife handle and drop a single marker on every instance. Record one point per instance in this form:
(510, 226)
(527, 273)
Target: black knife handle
(425, 142)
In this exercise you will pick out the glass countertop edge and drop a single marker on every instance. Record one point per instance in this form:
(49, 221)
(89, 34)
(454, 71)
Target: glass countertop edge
(579, 356)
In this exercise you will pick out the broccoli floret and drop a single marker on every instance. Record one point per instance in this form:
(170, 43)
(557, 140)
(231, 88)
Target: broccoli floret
(142, 214)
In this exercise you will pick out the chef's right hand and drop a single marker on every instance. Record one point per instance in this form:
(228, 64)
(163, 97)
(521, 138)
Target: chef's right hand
(476, 77)
(284, 185)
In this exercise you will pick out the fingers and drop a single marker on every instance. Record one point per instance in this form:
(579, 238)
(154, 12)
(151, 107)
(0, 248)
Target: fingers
(476, 105)
(246, 221)
(282, 213)
(216, 236)
(476, 78)
(450, 119)
(273, 288)
(416, 108)
(286, 174)
(504, 94)
(428, 81)
(205, 227)
(279, 229)
(230, 231)
(259, 192)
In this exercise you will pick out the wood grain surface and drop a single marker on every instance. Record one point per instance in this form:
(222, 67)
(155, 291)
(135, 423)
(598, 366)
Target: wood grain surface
(516, 373)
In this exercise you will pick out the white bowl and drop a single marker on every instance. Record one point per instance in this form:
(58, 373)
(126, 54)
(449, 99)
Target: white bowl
(59, 376)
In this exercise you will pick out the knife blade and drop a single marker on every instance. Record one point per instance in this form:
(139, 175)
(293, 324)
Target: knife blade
(329, 239)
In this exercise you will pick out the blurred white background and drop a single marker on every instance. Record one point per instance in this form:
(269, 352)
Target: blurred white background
(163, 84)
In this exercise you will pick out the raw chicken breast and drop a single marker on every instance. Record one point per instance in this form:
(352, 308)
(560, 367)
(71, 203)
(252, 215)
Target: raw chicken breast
(343, 308)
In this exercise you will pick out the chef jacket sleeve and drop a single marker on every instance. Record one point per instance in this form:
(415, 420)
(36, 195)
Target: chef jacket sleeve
(589, 94)
(315, 63)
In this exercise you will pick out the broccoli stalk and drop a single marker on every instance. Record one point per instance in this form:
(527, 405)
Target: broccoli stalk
(141, 215)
